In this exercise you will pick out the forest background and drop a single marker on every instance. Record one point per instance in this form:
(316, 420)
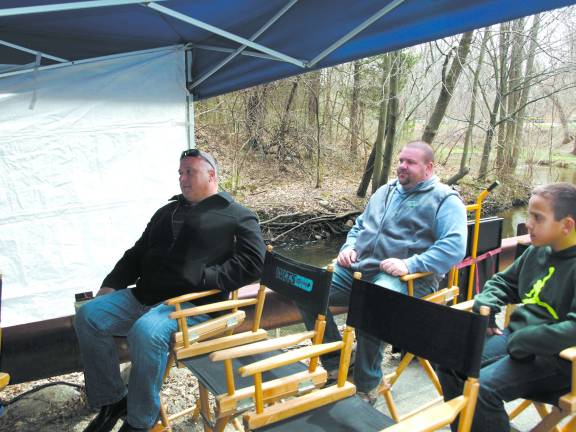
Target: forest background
(306, 151)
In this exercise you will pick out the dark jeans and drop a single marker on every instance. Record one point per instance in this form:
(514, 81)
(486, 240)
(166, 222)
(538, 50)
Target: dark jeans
(503, 379)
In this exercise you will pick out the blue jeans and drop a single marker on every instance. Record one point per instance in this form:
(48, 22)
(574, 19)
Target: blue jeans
(505, 379)
(367, 369)
(148, 330)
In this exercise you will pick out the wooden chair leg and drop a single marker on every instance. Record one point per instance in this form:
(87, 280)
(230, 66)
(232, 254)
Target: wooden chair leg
(393, 377)
(237, 424)
(541, 408)
(431, 374)
(221, 424)
(387, 393)
(205, 408)
(570, 426)
(550, 421)
(519, 409)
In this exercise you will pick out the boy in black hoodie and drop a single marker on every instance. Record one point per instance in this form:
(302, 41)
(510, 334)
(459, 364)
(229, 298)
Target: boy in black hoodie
(524, 359)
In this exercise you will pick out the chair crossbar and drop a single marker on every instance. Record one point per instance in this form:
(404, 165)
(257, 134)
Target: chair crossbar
(262, 347)
(299, 405)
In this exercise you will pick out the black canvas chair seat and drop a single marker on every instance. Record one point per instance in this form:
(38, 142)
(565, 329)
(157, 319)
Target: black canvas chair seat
(350, 414)
(214, 378)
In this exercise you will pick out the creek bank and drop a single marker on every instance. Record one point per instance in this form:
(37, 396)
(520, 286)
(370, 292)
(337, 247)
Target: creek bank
(313, 215)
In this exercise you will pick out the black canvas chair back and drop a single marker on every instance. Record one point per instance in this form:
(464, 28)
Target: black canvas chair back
(450, 338)
(304, 284)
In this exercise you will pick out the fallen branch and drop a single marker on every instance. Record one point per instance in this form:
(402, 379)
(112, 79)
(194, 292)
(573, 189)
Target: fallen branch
(322, 218)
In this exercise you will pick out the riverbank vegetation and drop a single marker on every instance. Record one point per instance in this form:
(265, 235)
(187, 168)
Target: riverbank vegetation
(305, 152)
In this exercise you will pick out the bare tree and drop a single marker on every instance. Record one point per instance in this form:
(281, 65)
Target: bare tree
(391, 119)
(448, 85)
(354, 112)
(470, 129)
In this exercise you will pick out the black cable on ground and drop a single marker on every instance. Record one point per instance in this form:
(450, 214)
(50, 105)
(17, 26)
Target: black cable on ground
(40, 387)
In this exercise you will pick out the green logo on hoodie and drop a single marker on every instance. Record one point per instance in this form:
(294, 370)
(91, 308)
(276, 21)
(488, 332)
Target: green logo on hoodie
(533, 296)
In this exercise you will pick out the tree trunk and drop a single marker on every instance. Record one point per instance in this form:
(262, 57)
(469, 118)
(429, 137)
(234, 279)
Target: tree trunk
(504, 47)
(448, 85)
(483, 171)
(518, 135)
(568, 136)
(313, 112)
(378, 148)
(392, 118)
(514, 83)
(255, 112)
(363, 186)
(285, 118)
(354, 117)
(471, 120)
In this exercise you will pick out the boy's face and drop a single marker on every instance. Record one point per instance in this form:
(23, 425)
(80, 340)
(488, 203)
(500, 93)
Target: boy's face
(544, 230)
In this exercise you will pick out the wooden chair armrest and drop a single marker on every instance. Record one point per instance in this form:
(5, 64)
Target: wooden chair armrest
(212, 307)
(412, 276)
(465, 306)
(190, 297)
(210, 328)
(431, 418)
(289, 358)
(569, 354)
(442, 296)
(4, 379)
(261, 347)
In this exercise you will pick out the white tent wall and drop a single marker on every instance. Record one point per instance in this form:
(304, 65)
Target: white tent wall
(87, 153)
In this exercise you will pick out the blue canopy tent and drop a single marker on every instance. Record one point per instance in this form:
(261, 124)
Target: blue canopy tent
(239, 44)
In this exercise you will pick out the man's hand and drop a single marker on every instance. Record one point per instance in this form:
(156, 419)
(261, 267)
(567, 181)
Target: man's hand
(394, 266)
(104, 290)
(347, 257)
(493, 331)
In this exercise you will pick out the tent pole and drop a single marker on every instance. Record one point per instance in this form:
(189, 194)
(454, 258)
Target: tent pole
(388, 8)
(225, 34)
(33, 52)
(190, 125)
(228, 59)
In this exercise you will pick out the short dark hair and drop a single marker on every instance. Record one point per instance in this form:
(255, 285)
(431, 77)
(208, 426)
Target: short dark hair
(425, 147)
(562, 196)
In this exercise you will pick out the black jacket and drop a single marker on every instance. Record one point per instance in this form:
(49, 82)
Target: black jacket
(219, 246)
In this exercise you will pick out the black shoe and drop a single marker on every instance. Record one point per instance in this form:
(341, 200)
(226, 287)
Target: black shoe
(107, 417)
(127, 428)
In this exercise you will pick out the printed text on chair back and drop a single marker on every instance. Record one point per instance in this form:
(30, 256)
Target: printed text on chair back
(448, 337)
(306, 285)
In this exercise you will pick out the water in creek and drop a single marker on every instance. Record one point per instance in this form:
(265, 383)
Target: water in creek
(540, 175)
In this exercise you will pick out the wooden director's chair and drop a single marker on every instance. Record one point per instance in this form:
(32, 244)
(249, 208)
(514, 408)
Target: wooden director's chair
(451, 338)
(308, 287)
(200, 339)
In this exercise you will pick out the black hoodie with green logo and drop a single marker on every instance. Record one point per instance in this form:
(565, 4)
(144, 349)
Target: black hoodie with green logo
(544, 283)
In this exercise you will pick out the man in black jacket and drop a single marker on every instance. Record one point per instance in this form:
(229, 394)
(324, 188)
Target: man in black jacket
(201, 240)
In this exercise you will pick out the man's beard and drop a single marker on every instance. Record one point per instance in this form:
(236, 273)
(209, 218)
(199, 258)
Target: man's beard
(404, 180)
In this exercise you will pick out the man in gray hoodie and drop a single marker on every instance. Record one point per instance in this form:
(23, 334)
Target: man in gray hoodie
(412, 224)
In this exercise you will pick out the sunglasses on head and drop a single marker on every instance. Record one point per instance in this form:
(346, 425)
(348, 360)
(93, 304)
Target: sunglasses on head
(197, 153)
